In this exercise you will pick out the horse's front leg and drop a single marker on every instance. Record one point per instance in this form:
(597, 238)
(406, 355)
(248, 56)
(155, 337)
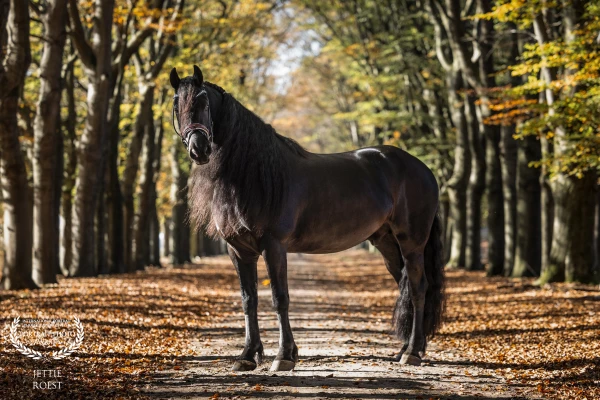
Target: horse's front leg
(276, 259)
(253, 348)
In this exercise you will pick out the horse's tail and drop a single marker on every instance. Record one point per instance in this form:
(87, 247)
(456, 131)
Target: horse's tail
(434, 298)
(434, 271)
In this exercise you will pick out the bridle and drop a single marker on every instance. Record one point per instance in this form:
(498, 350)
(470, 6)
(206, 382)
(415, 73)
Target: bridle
(194, 127)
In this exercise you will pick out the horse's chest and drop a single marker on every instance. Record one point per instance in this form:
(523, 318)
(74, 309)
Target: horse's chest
(227, 220)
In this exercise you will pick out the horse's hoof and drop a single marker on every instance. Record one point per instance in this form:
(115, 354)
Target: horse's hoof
(243, 365)
(282, 365)
(409, 359)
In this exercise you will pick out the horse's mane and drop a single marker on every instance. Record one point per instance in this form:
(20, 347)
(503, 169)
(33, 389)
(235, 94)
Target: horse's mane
(246, 177)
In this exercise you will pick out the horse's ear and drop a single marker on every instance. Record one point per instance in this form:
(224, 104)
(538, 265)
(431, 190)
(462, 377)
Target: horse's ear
(198, 78)
(174, 78)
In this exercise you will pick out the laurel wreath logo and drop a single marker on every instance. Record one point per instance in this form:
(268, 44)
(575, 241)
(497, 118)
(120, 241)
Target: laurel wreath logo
(36, 355)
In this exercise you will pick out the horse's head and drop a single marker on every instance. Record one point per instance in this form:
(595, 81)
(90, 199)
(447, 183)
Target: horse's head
(191, 111)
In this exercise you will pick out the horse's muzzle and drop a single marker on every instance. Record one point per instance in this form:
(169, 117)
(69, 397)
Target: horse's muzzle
(199, 148)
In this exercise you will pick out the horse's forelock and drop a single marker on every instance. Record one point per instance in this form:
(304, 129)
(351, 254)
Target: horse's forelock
(185, 98)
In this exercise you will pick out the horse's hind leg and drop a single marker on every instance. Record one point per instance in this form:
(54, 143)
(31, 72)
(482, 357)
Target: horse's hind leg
(276, 259)
(389, 249)
(414, 286)
(253, 348)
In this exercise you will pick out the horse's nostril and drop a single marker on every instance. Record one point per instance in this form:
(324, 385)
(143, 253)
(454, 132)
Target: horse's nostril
(193, 151)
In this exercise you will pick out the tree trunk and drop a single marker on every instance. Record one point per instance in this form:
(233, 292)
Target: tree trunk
(495, 202)
(142, 228)
(495, 199)
(156, 163)
(47, 147)
(572, 255)
(528, 250)
(445, 215)
(508, 146)
(70, 149)
(91, 145)
(154, 235)
(16, 194)
(509, 154)
(129, 176)
(547, 147)
(457, 185)
(114, 197)
(180, 247)
(597, 236)
(101, 222)
(167, 237)
(476, 187)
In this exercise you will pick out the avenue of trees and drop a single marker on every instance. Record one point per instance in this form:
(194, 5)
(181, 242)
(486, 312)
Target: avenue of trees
(501, 99)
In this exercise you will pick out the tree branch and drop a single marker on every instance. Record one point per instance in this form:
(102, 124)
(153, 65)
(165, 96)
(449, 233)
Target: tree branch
(168, 43)
(437, 26)
(86, 53)
(133, 45)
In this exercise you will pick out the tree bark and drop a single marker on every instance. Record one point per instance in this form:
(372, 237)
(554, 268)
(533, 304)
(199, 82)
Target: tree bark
(16, 193)
(101, 221)
(156, 164)
(154, 235)
(528, 252)
(457, 185)
(70, 150)
(476, 187)
(597, 237)
(509, 155)
(142, 228)
(495, 202)
(180, 247)
(167, 237)
(114, 197)
(508, 146)
(547, 201)
(572, 255)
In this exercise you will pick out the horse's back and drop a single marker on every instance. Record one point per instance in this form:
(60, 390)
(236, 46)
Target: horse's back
(340, 200)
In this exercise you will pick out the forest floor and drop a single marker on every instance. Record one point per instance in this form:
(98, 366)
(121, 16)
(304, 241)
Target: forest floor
(173, 332)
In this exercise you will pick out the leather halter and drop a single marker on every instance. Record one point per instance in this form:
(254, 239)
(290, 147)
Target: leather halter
(191, 128)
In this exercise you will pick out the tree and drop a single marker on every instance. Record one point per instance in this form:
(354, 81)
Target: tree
(16, 193)
(47, 162)
(96, 58)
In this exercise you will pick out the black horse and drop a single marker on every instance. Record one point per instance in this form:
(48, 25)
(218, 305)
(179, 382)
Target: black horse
(264, 194)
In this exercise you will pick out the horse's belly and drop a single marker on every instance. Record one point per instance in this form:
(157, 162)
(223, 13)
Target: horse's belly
(311, 247)
(334, 231)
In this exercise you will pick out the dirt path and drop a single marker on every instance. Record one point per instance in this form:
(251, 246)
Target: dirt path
(340, 311)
